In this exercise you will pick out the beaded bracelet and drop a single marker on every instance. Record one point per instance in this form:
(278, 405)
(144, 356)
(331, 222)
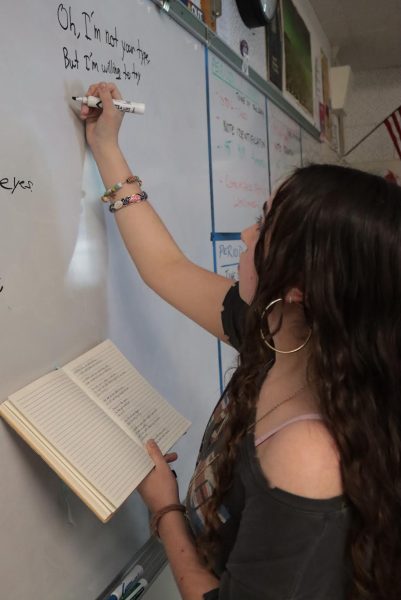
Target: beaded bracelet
(155, 520)
(110, 193)
(134, 199)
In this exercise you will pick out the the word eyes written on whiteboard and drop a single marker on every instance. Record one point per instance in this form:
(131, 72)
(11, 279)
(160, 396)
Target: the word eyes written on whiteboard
(126, 61)
(8, 185)
(11, 184)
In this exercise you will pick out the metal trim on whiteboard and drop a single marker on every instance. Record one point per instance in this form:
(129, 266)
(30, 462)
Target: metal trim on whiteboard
(210, 158)
(218, 237)
(187, 20)
(163, 4)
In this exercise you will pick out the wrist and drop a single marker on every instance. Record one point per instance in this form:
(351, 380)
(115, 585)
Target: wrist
(173, 526)
(105, 151)
(161, 516)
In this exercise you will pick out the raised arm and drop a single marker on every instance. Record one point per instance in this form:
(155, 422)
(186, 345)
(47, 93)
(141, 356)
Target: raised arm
(194, 291)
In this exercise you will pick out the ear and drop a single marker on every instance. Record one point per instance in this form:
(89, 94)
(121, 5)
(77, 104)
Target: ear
(294, 296)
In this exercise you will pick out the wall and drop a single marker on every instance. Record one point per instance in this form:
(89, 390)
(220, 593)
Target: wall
(373, 95)
(232, 30)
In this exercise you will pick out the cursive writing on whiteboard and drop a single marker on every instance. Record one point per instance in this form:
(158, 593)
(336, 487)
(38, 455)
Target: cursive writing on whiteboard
(85, 28)
(10, 185)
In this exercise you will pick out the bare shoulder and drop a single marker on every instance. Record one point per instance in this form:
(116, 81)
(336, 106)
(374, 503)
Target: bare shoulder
(303, 459)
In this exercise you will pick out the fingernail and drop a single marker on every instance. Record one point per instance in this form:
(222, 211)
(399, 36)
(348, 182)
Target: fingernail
(151, 442)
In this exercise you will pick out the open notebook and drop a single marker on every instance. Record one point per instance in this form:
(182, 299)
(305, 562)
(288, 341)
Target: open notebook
(89, 421)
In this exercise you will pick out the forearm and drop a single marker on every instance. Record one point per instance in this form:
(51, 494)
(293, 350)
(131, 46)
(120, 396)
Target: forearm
(192, 576)
(147, 239)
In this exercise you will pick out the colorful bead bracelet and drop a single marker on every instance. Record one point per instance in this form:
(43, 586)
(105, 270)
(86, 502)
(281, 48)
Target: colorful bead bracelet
(110, 193)
(134, 199)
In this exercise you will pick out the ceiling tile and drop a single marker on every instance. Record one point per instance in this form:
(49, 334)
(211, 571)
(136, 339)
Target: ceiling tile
(367, 32)
(372, 50)
(337, 32)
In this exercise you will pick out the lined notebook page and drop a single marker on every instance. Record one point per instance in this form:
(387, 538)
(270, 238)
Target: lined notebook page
(84, 434)
(87, 492)
(106, 374)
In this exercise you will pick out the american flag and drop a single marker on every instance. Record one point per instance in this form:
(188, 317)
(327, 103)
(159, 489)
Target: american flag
(393, 124)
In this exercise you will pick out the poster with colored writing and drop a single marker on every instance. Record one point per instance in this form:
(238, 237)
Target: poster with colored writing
(227, 256)
(284, 145)
(238, 148)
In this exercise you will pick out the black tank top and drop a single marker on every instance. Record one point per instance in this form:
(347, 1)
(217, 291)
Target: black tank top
(273, 545)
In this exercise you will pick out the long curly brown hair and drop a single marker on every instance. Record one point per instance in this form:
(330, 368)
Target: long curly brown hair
(335, 232)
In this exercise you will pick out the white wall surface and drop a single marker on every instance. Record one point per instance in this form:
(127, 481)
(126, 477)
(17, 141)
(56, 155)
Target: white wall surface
(373, 95)
(232, 30)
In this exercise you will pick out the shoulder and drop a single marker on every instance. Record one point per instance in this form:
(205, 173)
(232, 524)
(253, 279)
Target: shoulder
(303, 459)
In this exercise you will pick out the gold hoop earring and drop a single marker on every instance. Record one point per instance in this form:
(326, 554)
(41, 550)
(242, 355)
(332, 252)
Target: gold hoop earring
(268, 307)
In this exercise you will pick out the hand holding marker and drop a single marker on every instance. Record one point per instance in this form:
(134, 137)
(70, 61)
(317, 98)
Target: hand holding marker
(123, 105)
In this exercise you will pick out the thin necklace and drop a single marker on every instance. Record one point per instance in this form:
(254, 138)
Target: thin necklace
(268, 412)
(196, 474)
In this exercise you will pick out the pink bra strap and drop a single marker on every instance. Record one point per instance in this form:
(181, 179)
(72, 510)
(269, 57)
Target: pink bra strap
(269, 434)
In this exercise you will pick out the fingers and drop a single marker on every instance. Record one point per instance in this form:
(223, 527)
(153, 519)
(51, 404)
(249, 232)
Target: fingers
(170, 457)
(154, 452)
(105, 97)
(156, 455)
(106, 92)
(92, 89)
(114, 91)
(86, 111)
(161, 462)
(111, 88)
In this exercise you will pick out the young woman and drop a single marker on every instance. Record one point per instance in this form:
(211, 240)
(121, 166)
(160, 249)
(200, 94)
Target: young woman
(297, 490)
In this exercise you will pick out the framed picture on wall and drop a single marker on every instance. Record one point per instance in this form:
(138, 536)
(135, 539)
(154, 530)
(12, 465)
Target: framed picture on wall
(298, 57)
(274, 49)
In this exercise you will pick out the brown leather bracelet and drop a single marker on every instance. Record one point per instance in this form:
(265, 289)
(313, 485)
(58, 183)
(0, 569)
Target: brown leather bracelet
(155, 520)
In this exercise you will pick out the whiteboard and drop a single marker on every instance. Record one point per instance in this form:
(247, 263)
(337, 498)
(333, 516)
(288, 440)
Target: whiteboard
(240, 171)
(238, 148)
(228, 253)
(284, 145)
(228, 250)
(66, 280)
